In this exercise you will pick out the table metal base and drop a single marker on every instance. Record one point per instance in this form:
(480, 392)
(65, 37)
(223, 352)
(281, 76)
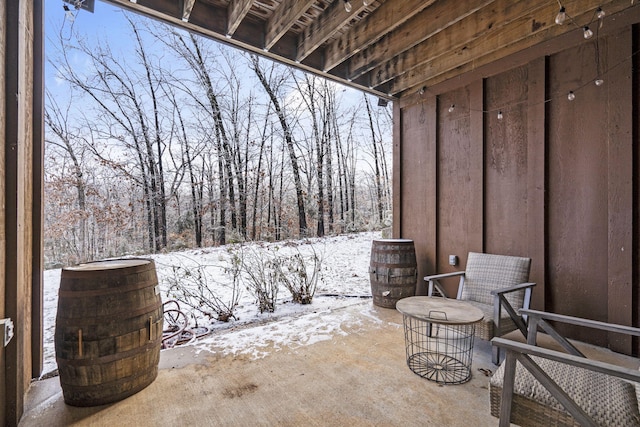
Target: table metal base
(440, 368)
(440, 353)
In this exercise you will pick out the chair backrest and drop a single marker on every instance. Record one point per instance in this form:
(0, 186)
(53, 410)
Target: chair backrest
(488, 272)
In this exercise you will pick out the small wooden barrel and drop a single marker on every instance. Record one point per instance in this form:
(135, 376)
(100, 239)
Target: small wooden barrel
(393, 271)
(108, 330)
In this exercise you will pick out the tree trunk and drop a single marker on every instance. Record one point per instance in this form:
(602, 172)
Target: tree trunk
(378, 183)
(302, 220)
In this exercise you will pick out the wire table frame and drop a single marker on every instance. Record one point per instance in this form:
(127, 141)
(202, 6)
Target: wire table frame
(439, 336)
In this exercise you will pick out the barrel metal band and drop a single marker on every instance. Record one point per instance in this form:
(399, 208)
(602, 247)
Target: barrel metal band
(108, 291)
(73, 321)
(150, 345)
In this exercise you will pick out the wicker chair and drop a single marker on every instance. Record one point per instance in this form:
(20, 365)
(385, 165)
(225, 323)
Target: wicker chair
(536, 386)
(491, 283)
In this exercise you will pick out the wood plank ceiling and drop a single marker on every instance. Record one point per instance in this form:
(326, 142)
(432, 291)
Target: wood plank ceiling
(390, 48)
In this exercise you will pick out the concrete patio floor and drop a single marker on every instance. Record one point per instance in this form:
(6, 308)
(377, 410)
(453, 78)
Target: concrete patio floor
(359, 378)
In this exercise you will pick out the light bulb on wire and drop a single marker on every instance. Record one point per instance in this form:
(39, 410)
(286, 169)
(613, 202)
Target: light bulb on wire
(453, 107)
(347, 6)
(68, 13)
(600, 13)
(587, 33)
(366, 3)
(571, 96)
(500, 116)
(598, 81)
(561, 16)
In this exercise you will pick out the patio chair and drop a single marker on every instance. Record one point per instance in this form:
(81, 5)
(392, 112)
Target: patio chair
(537, 386)
(492, 283)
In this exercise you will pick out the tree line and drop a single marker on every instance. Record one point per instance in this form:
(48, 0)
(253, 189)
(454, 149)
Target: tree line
(173, 140)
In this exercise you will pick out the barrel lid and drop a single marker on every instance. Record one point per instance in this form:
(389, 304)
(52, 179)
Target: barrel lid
(109, 264)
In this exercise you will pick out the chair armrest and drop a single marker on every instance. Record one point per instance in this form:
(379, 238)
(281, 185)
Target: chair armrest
(501, 301)
(433, 281)
(519, 352)
(610, 327)
(539, 319)
(570, 359)
(513, 288)
(443, 275)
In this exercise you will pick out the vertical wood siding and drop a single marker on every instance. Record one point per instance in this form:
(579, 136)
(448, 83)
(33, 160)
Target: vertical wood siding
(554, 179)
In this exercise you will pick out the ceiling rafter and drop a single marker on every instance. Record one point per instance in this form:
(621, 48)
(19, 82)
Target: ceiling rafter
(283, 19)
(466, 48)
(187, 7)
(333, 19)
(477, 25)
(238, 9)
(387, 17)
(416, 30)
(513, 37)
(389, 48)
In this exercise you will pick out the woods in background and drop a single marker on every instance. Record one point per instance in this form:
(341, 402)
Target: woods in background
(178, 141)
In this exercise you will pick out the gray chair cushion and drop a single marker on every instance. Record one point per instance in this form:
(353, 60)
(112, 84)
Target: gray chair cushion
(488, 272)
(610, 401)
(486, 328)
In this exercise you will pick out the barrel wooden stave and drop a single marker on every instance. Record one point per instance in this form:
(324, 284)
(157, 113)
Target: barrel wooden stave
(392, 271)
(108, 331)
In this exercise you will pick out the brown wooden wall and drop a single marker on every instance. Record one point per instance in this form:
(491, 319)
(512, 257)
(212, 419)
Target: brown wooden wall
(553, 179)
(21, 146)
(3, 120)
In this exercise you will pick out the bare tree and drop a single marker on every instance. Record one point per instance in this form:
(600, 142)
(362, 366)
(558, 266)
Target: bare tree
(57, 122)
(190, 49)
(314, 98)
(271, 87)
(264, 137)
(121, 118)
(196, 182)
(156, 165)
(376, 160)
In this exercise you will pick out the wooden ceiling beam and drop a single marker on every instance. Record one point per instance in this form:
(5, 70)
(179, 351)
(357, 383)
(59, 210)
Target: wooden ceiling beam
(187, 7)
(522, 33)
(237, 10)
(425, 24)
(169, 7)
(390, 15)
(515, 51)
(283, 19)
(328, 24)
(486, 21)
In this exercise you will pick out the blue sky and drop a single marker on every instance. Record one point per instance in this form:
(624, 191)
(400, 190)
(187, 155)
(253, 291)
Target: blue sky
(107, 23)
(106, 19)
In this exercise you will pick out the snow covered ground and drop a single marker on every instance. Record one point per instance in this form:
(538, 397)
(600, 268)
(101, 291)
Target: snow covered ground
(344, 282)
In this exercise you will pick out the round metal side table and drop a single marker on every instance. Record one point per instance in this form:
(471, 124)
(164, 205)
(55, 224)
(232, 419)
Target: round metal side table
(439, 335)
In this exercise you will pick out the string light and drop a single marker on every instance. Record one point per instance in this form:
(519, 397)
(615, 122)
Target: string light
(68, 13)
(422, 90)
(347, 6)
(587, 33)
(561, 16)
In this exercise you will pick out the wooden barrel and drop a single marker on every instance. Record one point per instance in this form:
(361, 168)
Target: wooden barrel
(108, 330)
(393, 271)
